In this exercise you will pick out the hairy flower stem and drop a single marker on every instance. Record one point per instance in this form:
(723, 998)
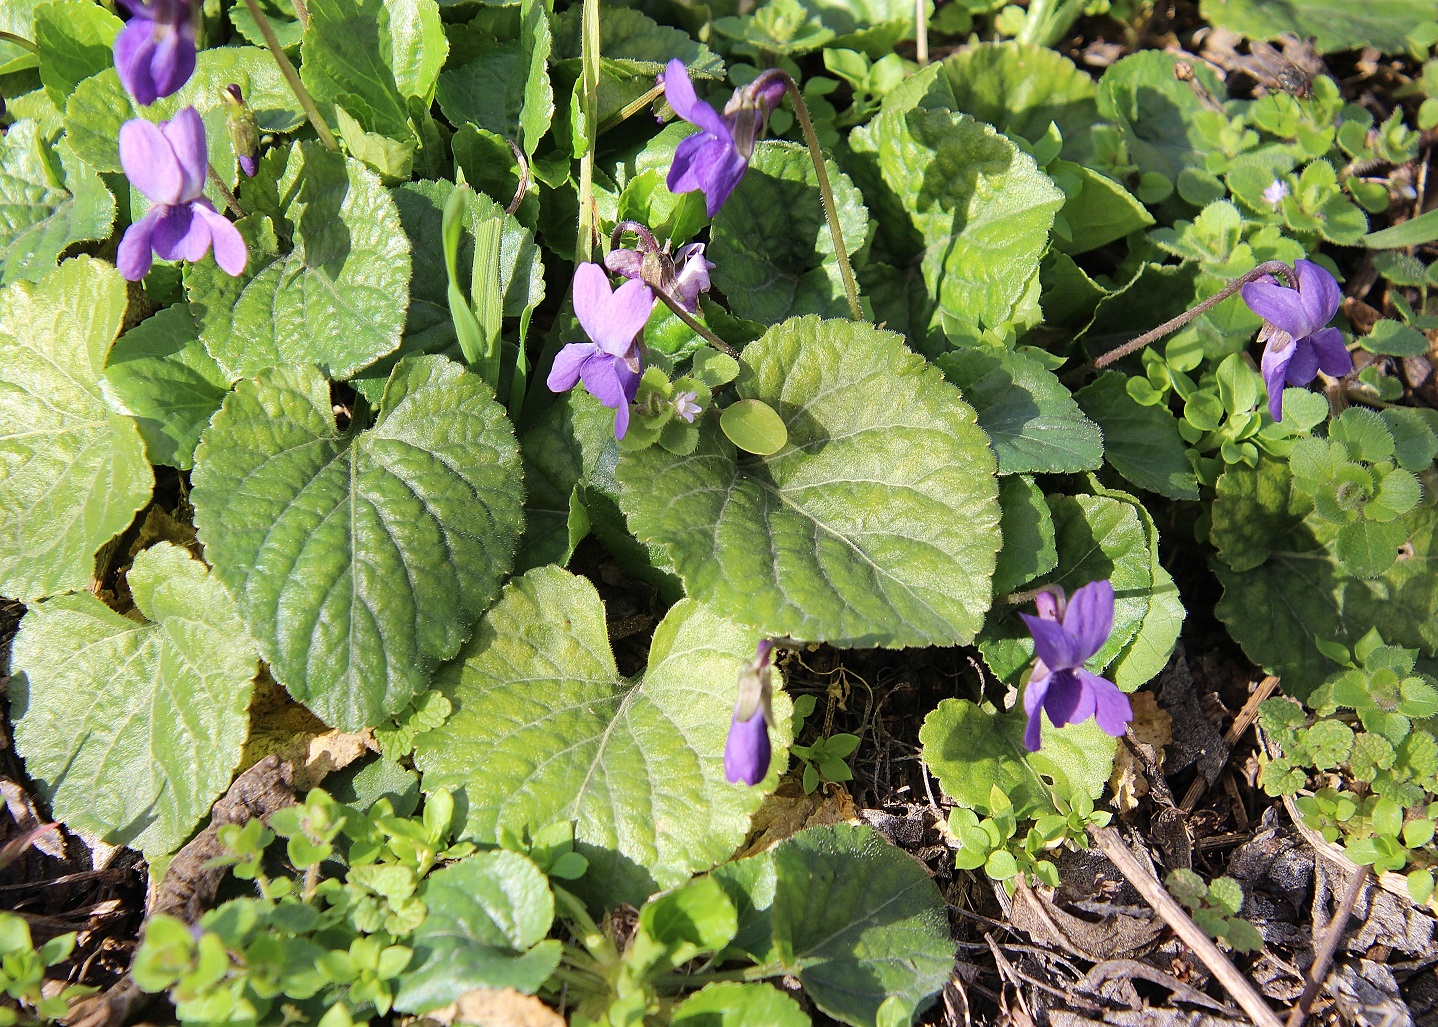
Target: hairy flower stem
(921, 34)
(293, 77)
(589, 97)
(230, 201)
(826, 193)
(695, 327)
(1270, 267)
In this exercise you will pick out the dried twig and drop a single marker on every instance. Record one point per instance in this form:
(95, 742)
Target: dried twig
(1248, 998)
(1235, 731)
(1318, 973)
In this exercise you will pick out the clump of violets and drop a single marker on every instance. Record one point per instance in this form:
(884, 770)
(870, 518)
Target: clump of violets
(747, 751)
(168, 162)
(155, 51)
(609, 363)
(681, 276)
(1067, 632)
(1296, 343)
(713, 159)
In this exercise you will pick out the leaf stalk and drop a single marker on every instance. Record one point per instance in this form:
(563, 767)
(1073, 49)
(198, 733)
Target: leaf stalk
(293, 78)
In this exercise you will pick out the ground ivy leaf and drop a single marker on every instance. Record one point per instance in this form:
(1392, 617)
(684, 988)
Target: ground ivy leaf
(1028, 530)
(963, 201)
(100, 105)
(971, 749)
(876, 525)
(773, 267)
(1020, 87)
(545, 729)
(488, 917)
(48, 200)
(1276, 601)
(337, 299)
(359, 560)
(1333, 24)
(159, 732)
(1097, 537)
(1141, 442)
(428, 326)
(858, 920)
(74, 473)
(733, 1004)
(505, 89)
(379, 51)
(159, 373)
(1157, 111)
(1031, 419)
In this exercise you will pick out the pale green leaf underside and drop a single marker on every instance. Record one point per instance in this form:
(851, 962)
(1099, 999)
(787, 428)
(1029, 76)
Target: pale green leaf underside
(133, 729)
(338, 299)
(544, 729)
(876, 525)
(971, 750)
(859, 921)
(73, 473)
(360, 561)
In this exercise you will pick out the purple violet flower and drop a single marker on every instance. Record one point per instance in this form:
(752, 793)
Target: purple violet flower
(693, 275)
(713, 159)
(686, 406)
(1296, 343)
(747, 751)
(155, 51)
(1066, 635)
(167, 162)
(609, 363)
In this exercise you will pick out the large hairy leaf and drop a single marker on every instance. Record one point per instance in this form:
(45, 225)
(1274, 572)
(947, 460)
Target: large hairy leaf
(337, 299)
(132, 728)
(877, 523)
(74, 473)
(360, 560)
(44, 207)
(546, 729)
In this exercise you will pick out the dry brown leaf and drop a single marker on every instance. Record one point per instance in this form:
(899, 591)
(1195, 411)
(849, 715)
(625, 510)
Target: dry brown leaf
(1152, 726)
(497, 1007)
(788, 811)
(282, 727)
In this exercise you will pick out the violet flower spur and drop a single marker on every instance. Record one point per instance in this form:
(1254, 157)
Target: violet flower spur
(168, 162)
(155, 51)
(609, 363)
(713, 159)
(747, 751)
(1296, 344)
(1066, 635)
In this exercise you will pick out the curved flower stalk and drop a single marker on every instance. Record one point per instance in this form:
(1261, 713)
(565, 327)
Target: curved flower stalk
(714, 159)
(682, 275)
(609, 363)
(155, 51)
(1296, 343)
(168, 162)
(1067, 632)
(747, 751)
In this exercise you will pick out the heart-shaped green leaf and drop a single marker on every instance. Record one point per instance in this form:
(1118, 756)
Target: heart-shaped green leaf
(877, 524)
(163, 715)
(359, 560)
(337, 299)
(74, 473)
(43, 215)
(545, 729)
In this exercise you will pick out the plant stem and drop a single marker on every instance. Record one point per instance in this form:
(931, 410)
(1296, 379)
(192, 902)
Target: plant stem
(230, 201)
(694, 326)
(20, 41)
(826, 193)
(589, 76)
(293, 77)
(1271, 267)
(921, 34)
(630, 109)
(674, 982)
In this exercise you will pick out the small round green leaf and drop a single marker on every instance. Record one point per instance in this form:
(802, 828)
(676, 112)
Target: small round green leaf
(360, 560)
(753, 426)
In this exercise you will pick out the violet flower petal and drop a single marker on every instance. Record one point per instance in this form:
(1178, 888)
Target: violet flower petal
(1275, 372)
(134, 257)
(134, 49)
(564, 375)
(679, 91)
(746, 751)
(1113, 710)
(149, 161)
(1333, 355)
(231, 253)
(1054, 645)
(1279, 306)
(1303, 365)
(1319, 293)
(1048, 605)
(1034, 693)
(174, 59)
(185, 133)
(179, 235)
(1089, 617)
(610, 319)
(1064, 701)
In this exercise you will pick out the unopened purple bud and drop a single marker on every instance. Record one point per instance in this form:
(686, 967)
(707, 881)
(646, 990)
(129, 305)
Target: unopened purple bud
(747, 752)
(248, 166)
